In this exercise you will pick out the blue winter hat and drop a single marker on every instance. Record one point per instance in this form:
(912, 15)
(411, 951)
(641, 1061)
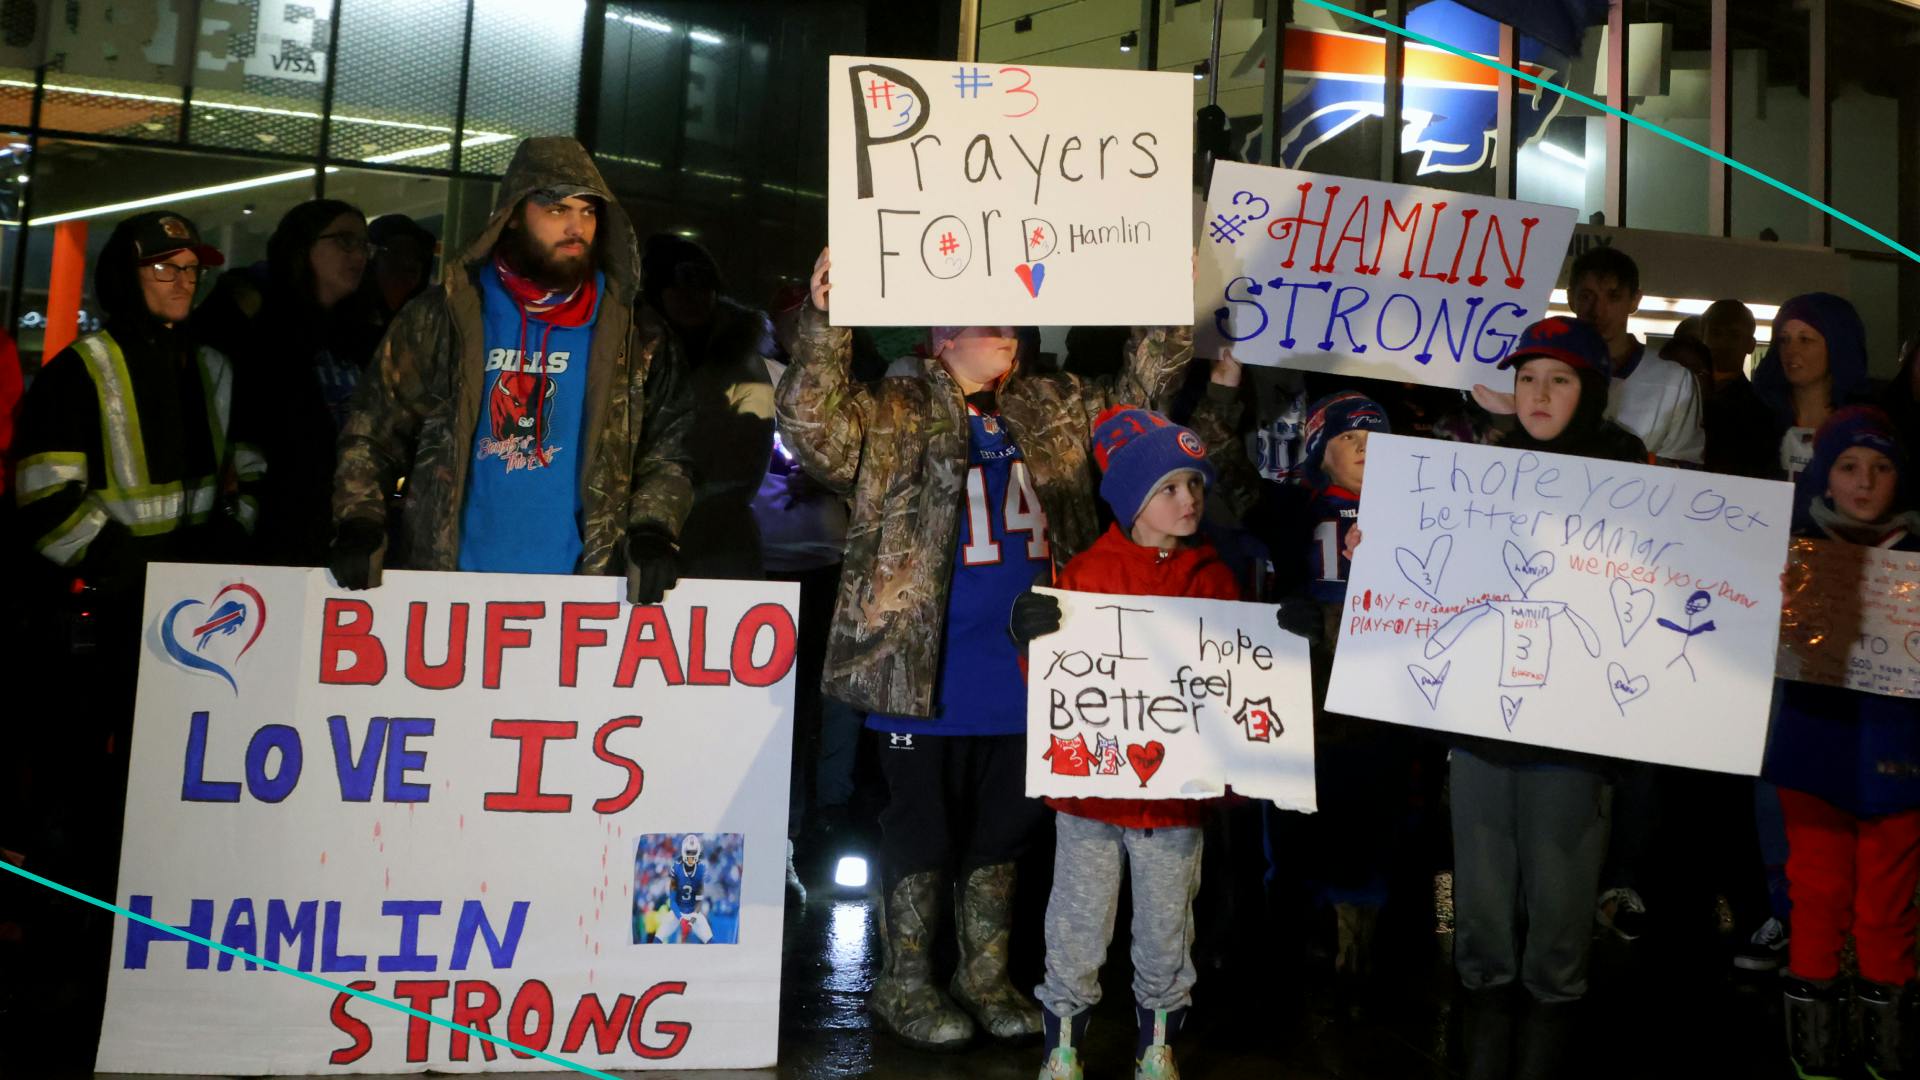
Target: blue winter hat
(1137, 449)
(1567, 340)
(1846, 336)
(1846, 428)
(1334, 415)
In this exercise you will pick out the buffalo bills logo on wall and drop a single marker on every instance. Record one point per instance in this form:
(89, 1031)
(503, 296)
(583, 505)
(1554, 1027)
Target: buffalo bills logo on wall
(1450, 108)
(212, 635)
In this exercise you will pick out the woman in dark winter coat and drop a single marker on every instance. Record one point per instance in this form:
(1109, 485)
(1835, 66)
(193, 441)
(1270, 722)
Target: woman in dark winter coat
(1816, 363)
(1848, 766)
(300, 361)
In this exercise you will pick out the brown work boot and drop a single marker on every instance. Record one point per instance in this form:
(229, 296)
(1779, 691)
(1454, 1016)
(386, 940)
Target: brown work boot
(983, 911)
(904, 999)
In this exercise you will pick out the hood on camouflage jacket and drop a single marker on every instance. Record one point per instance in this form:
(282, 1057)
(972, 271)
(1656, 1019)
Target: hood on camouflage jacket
(419, 403)
(898, 447)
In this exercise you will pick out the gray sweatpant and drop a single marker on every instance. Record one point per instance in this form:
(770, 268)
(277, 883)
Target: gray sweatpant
(1527, 849)
(1088, 857)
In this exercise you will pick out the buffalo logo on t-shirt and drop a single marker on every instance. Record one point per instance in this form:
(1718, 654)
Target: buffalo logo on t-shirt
(519, 412)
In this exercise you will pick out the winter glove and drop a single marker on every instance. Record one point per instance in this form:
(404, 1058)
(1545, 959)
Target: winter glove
(359, 546)
(1034, 615)
(651, 568)
(1301, 615)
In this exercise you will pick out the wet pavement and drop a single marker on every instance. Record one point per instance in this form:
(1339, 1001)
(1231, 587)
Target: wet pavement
(1261, 1011)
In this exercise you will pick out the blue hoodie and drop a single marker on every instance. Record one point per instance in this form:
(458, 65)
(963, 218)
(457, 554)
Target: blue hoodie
(1856, 750)
(1839, 323)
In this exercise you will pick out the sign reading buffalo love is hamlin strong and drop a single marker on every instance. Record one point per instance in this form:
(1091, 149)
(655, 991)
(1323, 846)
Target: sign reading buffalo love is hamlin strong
(513, 802)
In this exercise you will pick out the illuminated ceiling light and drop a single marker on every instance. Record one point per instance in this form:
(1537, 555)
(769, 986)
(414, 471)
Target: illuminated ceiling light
(1201, 70)
(850, 872)
(1128, 40)
(1561, 153)
(175, 196)
(190, 194)
(654, 25)
(706, 37)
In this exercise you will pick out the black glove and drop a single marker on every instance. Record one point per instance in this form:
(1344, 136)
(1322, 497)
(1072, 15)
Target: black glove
(651, 566)
(1301, 615)
(1034, 615)
(359, 545)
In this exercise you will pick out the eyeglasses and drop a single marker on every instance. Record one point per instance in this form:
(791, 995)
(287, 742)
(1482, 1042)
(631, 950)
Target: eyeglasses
(351, 243)
(167, 272)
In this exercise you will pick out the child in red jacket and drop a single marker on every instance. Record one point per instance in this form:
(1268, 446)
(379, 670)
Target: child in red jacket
(1155, 478)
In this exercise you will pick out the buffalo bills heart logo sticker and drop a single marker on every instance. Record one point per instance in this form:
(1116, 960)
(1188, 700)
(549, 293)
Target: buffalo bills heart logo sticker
(210, 636)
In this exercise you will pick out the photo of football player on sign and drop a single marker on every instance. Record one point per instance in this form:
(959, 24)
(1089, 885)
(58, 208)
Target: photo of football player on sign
(686, 888)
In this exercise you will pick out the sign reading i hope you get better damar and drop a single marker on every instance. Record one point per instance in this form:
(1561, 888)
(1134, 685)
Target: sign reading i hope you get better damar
(984, 194)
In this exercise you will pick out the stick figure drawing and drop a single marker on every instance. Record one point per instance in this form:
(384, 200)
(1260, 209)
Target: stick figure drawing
(1696, 604)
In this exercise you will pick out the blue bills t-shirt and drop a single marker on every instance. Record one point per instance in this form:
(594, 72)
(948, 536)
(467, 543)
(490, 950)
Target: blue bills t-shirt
(522, 511)
(1002, 548)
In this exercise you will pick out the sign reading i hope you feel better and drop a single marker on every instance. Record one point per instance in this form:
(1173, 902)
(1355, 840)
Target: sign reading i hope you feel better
(982, 194)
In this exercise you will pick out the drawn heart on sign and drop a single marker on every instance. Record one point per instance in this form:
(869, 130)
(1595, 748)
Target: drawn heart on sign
(1913, 644)
(1632, 608)
(1031, 275)
(1625, 689)
(1428, 682)
(1424, 574)
(1510, 709)
(1526, 571)
(1146, 759)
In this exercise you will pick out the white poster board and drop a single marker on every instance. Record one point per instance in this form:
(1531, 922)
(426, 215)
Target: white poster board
(1614, 609)
(451, 791)
(1852, 618)
(1359, 277)
(981, 194)
(1162, 697)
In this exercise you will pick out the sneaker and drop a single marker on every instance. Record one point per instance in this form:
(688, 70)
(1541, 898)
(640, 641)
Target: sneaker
(1766, 950)
(1156, 1064)
(1623, 912)
(1062, 1064)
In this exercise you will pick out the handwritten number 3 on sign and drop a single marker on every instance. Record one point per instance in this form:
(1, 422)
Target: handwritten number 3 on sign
(1026, 80)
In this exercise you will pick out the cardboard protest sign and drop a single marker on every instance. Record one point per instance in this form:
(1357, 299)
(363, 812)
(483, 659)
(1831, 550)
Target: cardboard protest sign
(982, 194)
(1161, 697)
(1596, 606)
(1852, 618)
(512, 801)
(1387, 281)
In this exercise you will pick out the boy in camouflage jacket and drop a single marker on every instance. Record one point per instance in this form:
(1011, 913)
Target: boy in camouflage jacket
(966, 480)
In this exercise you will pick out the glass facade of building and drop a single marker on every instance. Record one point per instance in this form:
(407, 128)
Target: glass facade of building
(1818, 94)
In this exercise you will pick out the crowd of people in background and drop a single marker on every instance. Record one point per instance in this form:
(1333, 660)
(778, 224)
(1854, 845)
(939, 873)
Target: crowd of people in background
(563, 396)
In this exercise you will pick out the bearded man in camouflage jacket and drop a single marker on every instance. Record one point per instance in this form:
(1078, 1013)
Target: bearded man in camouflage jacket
(534, 409)
(968, 480)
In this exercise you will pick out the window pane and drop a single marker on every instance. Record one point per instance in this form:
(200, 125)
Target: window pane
(260, 79)
(1565, 163)
(398, 83)
(523, 79)
(113, 69)
(234, 202)
(1770, 116)
(1667, 82)
(1870, 63)
(1079, 33)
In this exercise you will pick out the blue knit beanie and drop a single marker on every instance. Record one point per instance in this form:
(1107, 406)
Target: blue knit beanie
(1137, 449)
(1331, 416)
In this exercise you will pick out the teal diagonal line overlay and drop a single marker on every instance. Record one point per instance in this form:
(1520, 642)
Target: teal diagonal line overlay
(1583, 99)
(314, 979)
